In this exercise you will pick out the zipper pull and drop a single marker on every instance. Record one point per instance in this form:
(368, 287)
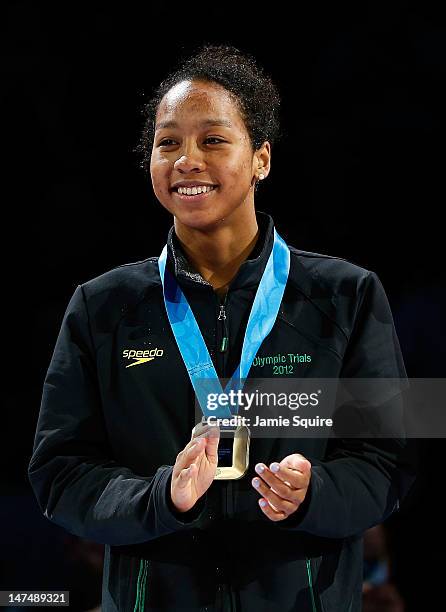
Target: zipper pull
(222, 317)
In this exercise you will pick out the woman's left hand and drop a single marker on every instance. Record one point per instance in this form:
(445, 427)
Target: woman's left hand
(283, 486)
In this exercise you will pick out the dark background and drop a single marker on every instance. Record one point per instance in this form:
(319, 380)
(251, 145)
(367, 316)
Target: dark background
(359, 174)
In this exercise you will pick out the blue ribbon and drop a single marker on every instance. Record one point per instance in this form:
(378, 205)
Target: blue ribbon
(190, 341)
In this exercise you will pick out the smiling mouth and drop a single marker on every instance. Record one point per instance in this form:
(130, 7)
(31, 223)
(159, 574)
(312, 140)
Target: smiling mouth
(194, 197)
(194, 190)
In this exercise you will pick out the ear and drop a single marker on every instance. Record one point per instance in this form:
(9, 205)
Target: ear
(262, 158)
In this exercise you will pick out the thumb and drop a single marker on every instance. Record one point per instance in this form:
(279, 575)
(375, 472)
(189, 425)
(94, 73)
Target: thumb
(212, 440)
(297, 462)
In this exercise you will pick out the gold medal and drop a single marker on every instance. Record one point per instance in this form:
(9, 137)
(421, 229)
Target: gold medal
(233, 450)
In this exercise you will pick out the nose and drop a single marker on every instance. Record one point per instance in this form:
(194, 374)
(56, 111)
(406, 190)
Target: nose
(189, 162)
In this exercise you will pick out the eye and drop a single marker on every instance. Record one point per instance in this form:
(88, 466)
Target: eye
(165, 142)
(213, 138)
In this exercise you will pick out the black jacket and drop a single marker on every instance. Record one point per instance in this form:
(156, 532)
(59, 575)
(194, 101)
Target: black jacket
(108, 435)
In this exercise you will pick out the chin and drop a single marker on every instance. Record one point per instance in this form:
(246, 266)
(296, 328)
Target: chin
(199, 220)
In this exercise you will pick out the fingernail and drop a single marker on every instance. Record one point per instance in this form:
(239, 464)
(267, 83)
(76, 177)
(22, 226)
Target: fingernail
(263, 503)
(274, 467)
(256, 482)
(260, 468)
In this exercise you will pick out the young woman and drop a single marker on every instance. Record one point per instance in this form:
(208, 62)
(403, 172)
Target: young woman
(114, 460)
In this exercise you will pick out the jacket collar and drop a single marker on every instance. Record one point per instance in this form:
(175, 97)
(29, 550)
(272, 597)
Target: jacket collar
(250, 271)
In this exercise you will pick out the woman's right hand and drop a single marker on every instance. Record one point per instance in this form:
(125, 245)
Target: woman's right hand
(194, 470)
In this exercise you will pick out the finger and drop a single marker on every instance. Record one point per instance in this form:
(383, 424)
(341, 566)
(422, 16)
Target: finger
(200, 429)
(296, 462)
(188, 455)
(285, 503)
(295, 479)
(286, 490)
(270, 512)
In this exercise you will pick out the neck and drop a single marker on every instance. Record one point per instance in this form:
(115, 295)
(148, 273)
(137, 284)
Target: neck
(218, 253)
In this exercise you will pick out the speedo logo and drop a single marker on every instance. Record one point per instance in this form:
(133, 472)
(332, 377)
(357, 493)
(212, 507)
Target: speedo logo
(141, 356)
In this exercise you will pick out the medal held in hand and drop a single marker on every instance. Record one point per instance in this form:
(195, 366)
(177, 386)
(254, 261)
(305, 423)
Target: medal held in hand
(233, 453)
(233, 450)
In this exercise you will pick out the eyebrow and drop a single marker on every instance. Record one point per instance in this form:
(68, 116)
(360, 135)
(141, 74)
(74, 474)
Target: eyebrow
(206, 122)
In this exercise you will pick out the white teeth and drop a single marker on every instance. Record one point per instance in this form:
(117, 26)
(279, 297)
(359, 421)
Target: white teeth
(195, 190)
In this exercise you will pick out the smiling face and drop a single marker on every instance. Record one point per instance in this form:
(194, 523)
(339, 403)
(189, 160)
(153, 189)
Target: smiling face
(201, 139)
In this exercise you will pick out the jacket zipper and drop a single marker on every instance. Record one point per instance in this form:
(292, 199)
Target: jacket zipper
(222, 325)
(223, 318)
(222, 321)
(225, 335)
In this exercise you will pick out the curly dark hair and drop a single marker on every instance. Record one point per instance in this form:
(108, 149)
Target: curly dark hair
(254, 92)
